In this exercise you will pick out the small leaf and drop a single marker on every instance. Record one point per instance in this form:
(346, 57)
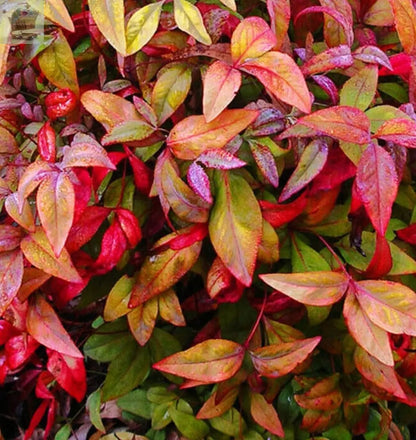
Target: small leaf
(164, 268)
(55, 202)
(188, 425)
(109, 17)
(405, 21)
(279, 214)
(282, 78)
(128, 131)
(235, 225)
(359, 91)
(221, 84)
(44, 325)
(265, 161)
(58, 65)
(377, 185)
(265, 414)
(193, 135)
(23, 215)
(199, 182)
(94, 410)
(213, 360)
(400, 131)
(118, 299)
(311, 288)
(171, 89)
(189, 20)
(325, 395)
(11, 276)
(220, 159)
(369, 336)
(348, 124)
(252, 38)
(338, 57)
(170, 308)
(8, 142)
(55, 11)
(311, 163)
(142, 26)
(278, 360)
(380, 13)
(217, 405)
(142, 320)
(38, 251)
(372, 54)
(279, 12)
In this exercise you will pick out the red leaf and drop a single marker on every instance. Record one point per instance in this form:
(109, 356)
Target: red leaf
(400, 64)
(373, 54)
(280, 214)
(265, 414)
(220, 159)
(221, 84)
(142, 174)
(400, 131)
(36, 419)
(328, 86)
(211, 361)
(325, 395)
(408, 234)
(193, 234)
(69, 372)
(265, 161)
(18, 350)
(47, 142)
(130, 226)
(222, 285)
(280, 359)
(282, 77)
(333, 58)
(199, 182)
(251, 39)
(11, 275)
(44, 325)
(340, 122)
(382, 262)
(60, 103)
(10, 237)
(377, 185)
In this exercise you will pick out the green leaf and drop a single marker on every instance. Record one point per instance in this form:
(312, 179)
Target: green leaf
(188, 425)
(109, 17)
(64, 432)
(129, 369)
(142, 26)
(189, 19)
(94, 410)
(58, 65)
(381, 113)
(136, 402)
(127, 131)
(235, 225)
(231, 423)
(160, 416)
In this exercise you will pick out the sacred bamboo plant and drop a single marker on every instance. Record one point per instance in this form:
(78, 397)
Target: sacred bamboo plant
(208, 220)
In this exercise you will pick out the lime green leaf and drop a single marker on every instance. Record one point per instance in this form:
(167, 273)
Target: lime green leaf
(94, 408)
(189, 19)
(188, 425)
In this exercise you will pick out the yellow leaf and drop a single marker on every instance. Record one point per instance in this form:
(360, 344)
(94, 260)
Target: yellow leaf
(230, 4)
(5, 32)
(189, 19)
(109, 17)
(55, 11)
(142, 26)
(58, 65)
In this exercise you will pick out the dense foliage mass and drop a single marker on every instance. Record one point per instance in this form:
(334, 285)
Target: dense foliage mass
(208, 221)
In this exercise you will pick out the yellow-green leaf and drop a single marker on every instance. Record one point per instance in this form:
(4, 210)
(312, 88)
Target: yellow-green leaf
(109, 17)
(58, 65)
(236, 225)
(171, 89)
(55, 11)
(189, 19)
(142, 26)
(142, 320)
(118, 299)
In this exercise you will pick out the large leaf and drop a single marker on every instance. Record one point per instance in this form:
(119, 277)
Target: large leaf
(58, 65)
(277, 360)
(109, 109)
(400, 131)
(279, 12)
(235, 225)
(311, 163)
(55, 201)
(221, 84)
(11, 275)
(171, 89)
(265, 415)
(311, 288)
(390, 305)
(142, 26)
(189, 19)
(360, 89)
(405, 21)
(377, 185)
(282, 78)
(193, 135)
(45, 326)
(37, 249)
(252, 38)
(164, 267)
(369, 336)
(55, 11)
(348, 124)
(109, 17)
(213, 360)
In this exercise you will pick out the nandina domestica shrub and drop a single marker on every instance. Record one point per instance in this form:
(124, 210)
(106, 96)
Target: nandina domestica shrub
(208, 220)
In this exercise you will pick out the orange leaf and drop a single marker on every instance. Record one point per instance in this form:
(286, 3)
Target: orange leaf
(216, 406)
(213, 360)
(221, 84)
(405, 20)
(142, 320)
(265, 414)
(44, 325)
(282, 78)
(11, 274)
(170, 308)
(251, 39)
(55, 201)
(311, 288)
(193, 135)
(38, 251)
(398, 130)
(280, 359)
